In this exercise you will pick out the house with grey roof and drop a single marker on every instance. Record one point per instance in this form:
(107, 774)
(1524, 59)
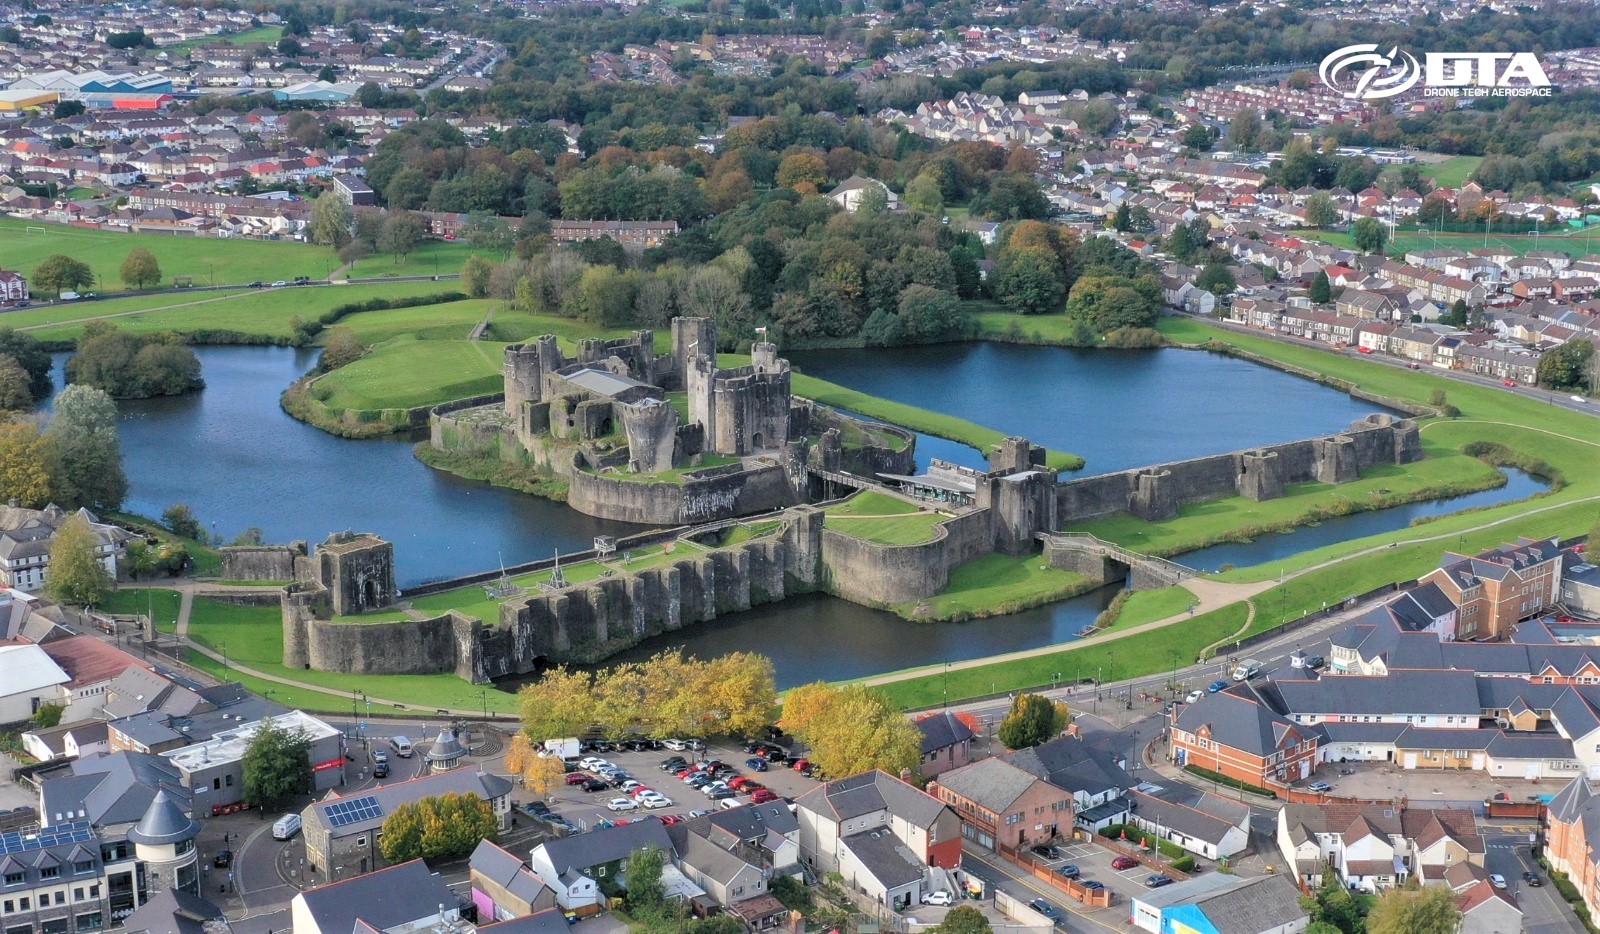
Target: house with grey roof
(852, 825)
(1002, 804)
(177, 912)
(341, 832)
(549, 921)
(574, 867)
(1095, 777)
(26, 536)
(1239, 733)
(946, 743)
(1374, 846)
(1572, 839)
(503, 886)
(111, 790)
(1211, 826)
(405, 897)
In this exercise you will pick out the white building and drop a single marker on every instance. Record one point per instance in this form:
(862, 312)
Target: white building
(26, 536)
(29, 679)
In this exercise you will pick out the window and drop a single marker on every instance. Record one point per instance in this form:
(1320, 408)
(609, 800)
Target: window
(90, 921)
(13, 878)
(77, 894)
(361, 841)
(23, 904)
(228, 779)
(94, 891)
(83, 866)
(9, 906)
(50, 872)
(216, 784)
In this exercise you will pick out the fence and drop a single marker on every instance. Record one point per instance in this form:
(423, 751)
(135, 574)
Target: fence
(1093, 898)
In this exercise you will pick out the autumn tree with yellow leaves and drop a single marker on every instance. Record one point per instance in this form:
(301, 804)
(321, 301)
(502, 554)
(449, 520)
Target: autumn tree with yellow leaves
(668, 695)
(541, 775)
(851, 729)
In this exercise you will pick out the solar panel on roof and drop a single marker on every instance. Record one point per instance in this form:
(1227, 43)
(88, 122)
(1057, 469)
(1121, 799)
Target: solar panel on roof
(72, 832)
(353, 811)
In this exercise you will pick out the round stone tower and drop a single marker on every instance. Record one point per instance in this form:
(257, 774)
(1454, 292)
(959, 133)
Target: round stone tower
(164, 841)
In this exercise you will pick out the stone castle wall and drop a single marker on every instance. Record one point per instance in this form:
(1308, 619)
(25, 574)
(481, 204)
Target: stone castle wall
(1156, 492)
(874, 574)
(262, 562)
(662, 502)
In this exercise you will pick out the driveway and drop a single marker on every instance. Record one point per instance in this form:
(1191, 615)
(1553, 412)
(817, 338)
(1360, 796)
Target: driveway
(1382, 781)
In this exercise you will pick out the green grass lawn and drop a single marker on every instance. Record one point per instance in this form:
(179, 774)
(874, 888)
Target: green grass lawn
(1452, 172)
(267, 312)
(206, 561)
(432, 258)
(887, 520)
(1573, 243)
(996, 584)
(448, 321)
(210, 260)
(253, 637)
(1444, 472)
(405, 372)
(257, 36)
(1142, 653)
(142, 602)
(909, 416)
(1147, 606)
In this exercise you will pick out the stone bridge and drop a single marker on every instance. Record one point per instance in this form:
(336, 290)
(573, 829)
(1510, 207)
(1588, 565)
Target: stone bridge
(834, 480)
(1106, 562)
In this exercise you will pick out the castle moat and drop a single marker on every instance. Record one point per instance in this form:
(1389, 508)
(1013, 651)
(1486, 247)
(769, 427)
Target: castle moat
(1115, 409)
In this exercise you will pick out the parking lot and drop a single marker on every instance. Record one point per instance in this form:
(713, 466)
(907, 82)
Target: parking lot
(586, 808)
(1094, 864)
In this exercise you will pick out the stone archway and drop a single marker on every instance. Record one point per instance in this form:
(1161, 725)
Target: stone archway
(369, 594)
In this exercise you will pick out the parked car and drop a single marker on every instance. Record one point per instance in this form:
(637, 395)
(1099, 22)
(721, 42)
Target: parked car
(763, 795)
(1530, 877)
(1320, 788)
(719, 794)
(1068, 871)
(1045, 908)
(621, 804)
(1314, 662)
(593, 763)
(223, 859)
(1124, 862)
(800, 764)
(676, 745)
(536, 808)
(673, 764)
(1157, 881)
(668, 820)
(1092, 885)
(695, 743)
(1216, 686)
(1193, 696)
(654, 801)
(938, 898)
(756, 764)
(699, 812)
(595, 784)
(578, 778)
(280, 283)
(379, 756)
(1044, 851)
(1497, 880)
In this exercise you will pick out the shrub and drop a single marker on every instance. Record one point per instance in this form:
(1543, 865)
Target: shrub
(1229, 781)
(1184, 863)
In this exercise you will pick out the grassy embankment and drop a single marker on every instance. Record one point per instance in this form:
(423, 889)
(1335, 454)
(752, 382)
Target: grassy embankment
(994, 585)
(1574, 243)
(144, 601)
(253, 637)
(1569, 442)
(882, 519)
(208, 260)
(1451, 172)
(206, 560)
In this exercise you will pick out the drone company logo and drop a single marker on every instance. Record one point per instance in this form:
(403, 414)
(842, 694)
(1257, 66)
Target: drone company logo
(1362, 72)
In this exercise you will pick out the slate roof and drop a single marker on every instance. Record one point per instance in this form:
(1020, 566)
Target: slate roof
(1189, 821)
(1240, 718)
(549, 921)
(1265, 903)
(992, 784)
(507, 870)
(1435, 692)
(1073, 764)
(581, 851)
(460, 781)
(941, 731)
(891, 862)
(109, 788)
(869, 792)
(164, 823)
(173, 911)
(385, 899)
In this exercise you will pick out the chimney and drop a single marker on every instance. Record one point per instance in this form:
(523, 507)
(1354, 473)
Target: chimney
(1072, 729)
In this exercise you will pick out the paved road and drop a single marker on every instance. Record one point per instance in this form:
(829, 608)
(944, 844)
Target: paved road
(1543, 911)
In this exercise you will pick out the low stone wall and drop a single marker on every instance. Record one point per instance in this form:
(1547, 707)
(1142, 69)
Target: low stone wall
(874, 574)
(261, 562)
(661, 502)
(242, 598)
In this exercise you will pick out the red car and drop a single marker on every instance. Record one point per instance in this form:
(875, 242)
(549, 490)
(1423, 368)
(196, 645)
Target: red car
(750, 788)
(763, 795)
(1124, 862)
(739, 781)
(578, 778)
(800, 764)
(1511, 382)
(671, 819)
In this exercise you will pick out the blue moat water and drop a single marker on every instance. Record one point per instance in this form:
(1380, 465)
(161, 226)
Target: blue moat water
(233, 455)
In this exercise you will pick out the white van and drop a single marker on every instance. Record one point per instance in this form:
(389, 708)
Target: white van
(401, 747)
(286, 827)
(728, 804)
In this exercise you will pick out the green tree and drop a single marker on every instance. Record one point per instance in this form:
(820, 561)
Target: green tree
(47, 716)
(1566, 367)
(330, 220)
(1428, 909)
(408, 189)
(1032, 720)
(645, 890)
(1369, 235)
(803, 171)
(61, 273)
(343, 347)
(182, 522)
(140, 270)
(964, 266)
(16, 391)
(133, 366)
(84, 435)
(1105, 303)
(277, 765)
(1122, 219)
(437, 828)
(924, 194)
(1456, 317)
(1321, 288)
(402, 232)
(31, 355)
(475, 275)
(1321, 212)
(75, 575)
(963, 919)
(1032, 283)
(1217, 279)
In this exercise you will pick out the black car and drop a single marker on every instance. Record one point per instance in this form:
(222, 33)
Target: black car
(1045, 908)
(380, 770)
(1046, 852)
(1532, 878)
(536, 808)
(1068, 871)
(223, 859)
(1094, 886)
(1157, 881)
(674, 764)
(594, 784)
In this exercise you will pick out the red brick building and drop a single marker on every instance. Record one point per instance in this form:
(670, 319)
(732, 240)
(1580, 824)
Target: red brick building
(1236, 733)
(1001, 804)
(1499, 588)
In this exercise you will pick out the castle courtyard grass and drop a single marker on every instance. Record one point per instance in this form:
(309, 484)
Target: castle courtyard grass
(142, 601)
(996, 584)
(882, 519)
(404, 372)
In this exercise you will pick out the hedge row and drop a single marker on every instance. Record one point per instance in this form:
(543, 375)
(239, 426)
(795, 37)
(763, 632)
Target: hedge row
(306, 331)
(1229, 781)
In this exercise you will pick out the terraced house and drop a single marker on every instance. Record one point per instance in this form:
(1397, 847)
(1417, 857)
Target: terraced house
(1237, 733)
(1497, 589)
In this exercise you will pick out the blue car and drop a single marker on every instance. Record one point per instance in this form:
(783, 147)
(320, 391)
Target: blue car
(1217, 686)
(756, 763)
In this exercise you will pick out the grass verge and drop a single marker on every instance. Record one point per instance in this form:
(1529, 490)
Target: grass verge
(994, 585)
(143, 601)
